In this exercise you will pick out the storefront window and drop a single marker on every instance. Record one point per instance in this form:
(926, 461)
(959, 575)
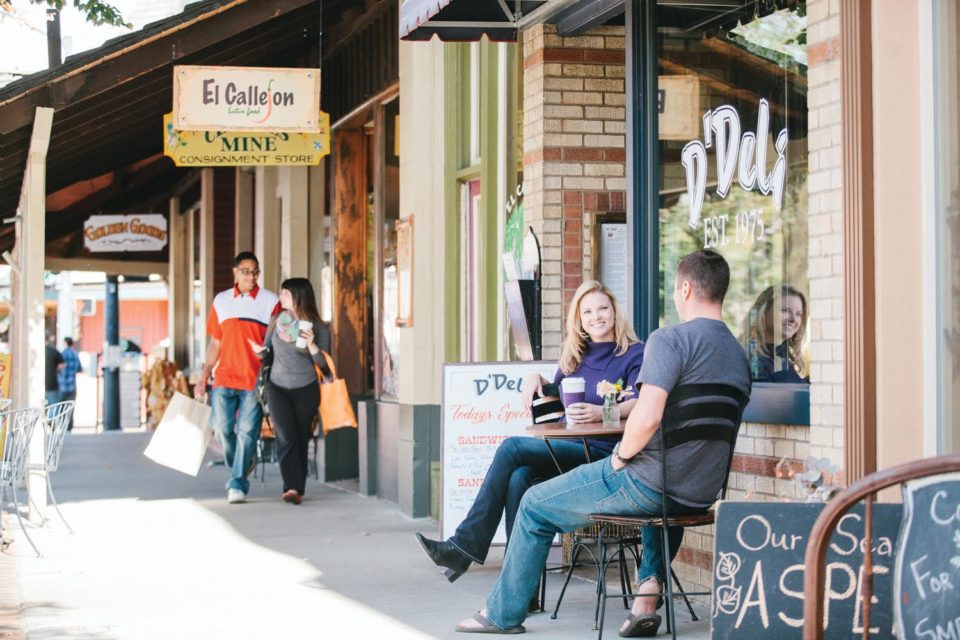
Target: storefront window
(732, 105)
(947, 139)
(390, 332)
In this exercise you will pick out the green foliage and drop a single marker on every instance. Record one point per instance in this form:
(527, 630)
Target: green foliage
(95, 11)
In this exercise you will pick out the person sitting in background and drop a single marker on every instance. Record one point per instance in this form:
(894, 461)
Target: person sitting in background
(599, 345)
(776, 330)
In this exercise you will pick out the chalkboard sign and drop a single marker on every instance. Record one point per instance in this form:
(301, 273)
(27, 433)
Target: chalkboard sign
(758, 571)
(927, 575)
(482, 407)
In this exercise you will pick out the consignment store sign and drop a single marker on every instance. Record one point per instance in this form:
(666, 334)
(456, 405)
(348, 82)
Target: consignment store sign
(246, 99)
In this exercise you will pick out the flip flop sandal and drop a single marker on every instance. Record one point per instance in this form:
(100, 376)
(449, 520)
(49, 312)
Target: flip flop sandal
(644, 625)
(488, 627)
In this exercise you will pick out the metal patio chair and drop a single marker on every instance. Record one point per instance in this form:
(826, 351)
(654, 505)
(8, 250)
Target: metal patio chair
(694, 412)
(56, 419)
(17, 429)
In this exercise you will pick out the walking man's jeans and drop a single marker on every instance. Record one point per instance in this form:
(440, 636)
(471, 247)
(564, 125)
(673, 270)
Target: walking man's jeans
(563, 504)
(240, 409)
(520, 462)
(64, 397)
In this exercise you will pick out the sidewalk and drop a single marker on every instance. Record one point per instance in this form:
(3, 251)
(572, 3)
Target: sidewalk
(158, 554)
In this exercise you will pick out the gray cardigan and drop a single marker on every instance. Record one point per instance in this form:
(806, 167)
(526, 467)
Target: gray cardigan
(293, 368)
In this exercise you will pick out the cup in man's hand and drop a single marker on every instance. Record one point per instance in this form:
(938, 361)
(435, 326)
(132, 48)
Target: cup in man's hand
(573, 390)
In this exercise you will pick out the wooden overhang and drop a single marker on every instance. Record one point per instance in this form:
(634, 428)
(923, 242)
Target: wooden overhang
(106, 145)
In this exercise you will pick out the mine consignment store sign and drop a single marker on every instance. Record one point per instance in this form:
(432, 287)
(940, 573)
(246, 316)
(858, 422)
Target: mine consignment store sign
(246, 99)
(245, 148)
(136, 232)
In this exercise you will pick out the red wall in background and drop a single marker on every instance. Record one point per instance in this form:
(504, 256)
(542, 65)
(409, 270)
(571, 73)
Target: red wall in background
(143, 321)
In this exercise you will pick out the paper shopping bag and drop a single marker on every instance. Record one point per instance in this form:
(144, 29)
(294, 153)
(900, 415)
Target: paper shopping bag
(336, 408)
(182, 436)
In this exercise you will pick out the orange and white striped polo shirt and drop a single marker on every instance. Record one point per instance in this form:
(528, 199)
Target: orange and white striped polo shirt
(235, 317)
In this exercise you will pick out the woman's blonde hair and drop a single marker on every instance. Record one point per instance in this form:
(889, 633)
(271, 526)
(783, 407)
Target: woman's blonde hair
(757, 337)
(576, 338)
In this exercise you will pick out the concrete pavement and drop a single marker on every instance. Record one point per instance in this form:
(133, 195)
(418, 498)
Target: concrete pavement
(158, 554)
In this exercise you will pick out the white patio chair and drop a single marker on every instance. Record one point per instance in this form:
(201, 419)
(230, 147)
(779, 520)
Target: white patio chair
(56, 419)
(17, 428)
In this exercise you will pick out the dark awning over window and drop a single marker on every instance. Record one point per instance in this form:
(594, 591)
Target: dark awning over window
(464, 20)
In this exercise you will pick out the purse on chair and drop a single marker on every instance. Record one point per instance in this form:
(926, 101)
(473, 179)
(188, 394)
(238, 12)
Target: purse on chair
(336, 408)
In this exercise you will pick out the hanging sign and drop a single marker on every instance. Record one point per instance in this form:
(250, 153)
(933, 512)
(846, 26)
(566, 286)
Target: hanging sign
(245, 148)
(246, 99)
(136, 232)
(6, 369)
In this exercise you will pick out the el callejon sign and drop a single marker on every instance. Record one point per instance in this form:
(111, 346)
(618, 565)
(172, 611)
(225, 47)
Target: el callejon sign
(137, 232)
(246, 99)
(245, 148)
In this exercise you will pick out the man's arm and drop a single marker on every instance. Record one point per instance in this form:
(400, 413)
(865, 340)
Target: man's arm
(642, 423)
(213, 355)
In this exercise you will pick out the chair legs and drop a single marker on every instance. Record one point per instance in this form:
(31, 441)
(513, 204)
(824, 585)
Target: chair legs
(53, 499)
(23, 528)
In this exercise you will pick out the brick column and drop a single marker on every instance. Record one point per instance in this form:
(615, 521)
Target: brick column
(574, 158)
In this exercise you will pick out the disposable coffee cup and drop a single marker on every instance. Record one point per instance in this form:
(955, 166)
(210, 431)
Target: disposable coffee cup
(572, 391)
(302, 325)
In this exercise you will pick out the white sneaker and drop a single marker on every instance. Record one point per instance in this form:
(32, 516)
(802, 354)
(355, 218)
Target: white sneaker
(235, 496)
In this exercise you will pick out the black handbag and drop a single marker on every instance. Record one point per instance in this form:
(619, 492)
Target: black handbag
(263, 376)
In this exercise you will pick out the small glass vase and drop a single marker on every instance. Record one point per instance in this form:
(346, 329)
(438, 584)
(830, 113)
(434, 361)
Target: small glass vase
(611, 412)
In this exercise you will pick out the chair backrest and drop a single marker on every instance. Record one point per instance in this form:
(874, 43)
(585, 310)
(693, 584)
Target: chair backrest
(5, 403)
(702, 412)
(56, 418)
(17, 429)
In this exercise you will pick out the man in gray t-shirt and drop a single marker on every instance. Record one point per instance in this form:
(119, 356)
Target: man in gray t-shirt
(701, 350)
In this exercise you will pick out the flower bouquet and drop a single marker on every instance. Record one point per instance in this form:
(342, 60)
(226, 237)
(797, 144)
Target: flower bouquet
(612, 393)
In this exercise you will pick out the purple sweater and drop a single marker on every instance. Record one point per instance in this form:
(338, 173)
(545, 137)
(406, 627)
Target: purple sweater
(601, 363)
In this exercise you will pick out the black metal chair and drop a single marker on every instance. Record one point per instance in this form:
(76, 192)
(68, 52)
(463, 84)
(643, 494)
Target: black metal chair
(694, 413)
(16, 429)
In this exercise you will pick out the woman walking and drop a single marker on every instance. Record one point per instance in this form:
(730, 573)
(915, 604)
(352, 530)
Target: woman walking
(297, 338)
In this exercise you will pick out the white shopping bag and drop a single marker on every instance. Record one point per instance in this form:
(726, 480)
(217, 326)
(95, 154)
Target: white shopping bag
(182, 436)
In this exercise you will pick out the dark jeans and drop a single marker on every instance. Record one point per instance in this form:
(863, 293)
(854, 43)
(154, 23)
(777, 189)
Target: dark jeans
(69, 395)
(292, 412)
(519, 463)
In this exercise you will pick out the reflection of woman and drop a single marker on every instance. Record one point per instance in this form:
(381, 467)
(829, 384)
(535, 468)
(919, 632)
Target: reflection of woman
(599, 345)
(293, 392)
(777, 326)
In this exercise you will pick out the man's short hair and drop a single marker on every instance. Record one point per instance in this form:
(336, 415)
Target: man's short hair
(709, 273)
(243, 256)
(68, 342)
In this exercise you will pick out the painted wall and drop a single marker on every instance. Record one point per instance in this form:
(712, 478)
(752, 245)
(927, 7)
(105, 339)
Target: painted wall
(143, 321)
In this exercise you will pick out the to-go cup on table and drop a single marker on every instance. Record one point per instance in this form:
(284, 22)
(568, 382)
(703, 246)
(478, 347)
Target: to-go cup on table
(572, 391)
(303, 325)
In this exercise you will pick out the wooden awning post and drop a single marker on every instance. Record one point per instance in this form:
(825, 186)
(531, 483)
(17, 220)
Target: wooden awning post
(29, 337)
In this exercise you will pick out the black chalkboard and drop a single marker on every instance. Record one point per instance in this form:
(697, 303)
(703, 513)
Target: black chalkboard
(927, 575)
(758, 571)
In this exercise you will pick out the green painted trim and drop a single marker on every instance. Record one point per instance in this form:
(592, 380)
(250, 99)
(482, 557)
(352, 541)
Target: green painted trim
(452, 82)
(472, 172)
(488, 200)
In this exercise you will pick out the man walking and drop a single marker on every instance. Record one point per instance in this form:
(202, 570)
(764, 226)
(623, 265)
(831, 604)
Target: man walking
(699, 350)
(237, 315)
(67, 376)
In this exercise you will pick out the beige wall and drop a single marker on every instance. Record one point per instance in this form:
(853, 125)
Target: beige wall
(899, 249)
(422, 181)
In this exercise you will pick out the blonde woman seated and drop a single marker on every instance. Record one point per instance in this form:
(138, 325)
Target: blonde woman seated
(599, 345)
(776, 330)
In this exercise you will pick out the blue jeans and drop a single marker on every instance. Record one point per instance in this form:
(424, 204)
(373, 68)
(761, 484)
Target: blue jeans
(518, 464)
(51, 397)
(563, 504)
(236, 407)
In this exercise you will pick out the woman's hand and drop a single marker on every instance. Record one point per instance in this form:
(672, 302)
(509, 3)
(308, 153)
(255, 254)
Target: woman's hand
(257, 348)
(307, 334)
(532, 384)
(583, 412)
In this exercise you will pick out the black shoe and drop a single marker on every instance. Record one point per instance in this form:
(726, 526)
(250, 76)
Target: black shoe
(446, 555)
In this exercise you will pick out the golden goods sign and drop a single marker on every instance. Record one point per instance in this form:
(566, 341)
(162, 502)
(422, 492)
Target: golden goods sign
(246, 99)
(137, 232)
(245, 148)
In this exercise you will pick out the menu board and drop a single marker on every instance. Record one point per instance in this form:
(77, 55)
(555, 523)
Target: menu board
(759, 569)
(482, 407)
(927, 576)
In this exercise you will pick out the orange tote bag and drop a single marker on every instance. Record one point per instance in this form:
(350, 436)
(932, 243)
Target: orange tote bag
(336, 409)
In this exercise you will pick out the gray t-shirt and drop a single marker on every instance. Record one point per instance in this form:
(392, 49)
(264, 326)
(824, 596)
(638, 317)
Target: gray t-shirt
(293, 368)
(699, 351)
